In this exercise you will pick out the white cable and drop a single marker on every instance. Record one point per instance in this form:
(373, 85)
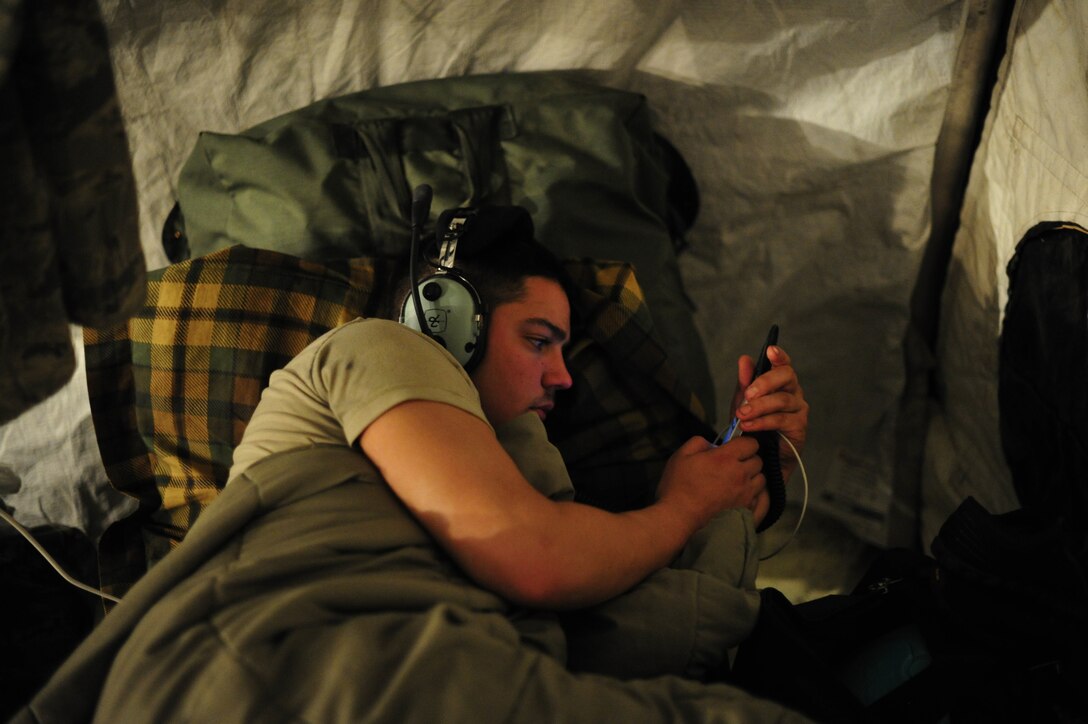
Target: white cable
(83, 586)
(804, 503)
(64, 574)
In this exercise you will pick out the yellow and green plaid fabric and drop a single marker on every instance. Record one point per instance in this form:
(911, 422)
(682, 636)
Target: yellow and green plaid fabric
(627, 410)
(172, 389)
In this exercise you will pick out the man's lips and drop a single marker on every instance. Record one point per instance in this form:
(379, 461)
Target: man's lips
(543, 409)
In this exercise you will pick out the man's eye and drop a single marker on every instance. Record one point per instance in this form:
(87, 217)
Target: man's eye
(538, 342)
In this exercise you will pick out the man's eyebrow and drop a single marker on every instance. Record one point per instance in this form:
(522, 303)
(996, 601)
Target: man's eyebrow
(557, 332)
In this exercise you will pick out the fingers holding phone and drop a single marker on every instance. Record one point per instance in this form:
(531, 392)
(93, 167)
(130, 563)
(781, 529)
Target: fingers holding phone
(773, 402)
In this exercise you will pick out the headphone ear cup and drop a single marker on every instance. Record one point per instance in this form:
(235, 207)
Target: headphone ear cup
(453, 313)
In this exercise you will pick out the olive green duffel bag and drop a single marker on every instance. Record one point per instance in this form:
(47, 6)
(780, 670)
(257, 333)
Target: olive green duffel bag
(334, 180)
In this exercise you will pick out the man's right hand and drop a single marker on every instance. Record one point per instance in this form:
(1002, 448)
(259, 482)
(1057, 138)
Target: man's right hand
(703, 480)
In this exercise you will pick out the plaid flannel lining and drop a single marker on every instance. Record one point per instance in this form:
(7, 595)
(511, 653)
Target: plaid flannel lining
(172, 389)
(627, 410)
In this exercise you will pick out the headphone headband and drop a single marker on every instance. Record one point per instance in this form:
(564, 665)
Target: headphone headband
(447, 302)
(451, 308)
(477, 229)
(453, 225)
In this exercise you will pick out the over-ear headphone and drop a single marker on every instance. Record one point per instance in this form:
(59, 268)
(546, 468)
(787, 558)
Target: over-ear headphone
(445, 299)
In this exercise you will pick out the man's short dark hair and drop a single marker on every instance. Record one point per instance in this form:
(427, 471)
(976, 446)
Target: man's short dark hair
(496, 257)
(499, 274)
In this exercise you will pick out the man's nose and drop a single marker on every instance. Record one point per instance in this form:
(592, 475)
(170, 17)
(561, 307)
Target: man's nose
(556, 376)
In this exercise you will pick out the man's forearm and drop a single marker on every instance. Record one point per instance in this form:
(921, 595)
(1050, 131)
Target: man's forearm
(574, 555)
(471, 496)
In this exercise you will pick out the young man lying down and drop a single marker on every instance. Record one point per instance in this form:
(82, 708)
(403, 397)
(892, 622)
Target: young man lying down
(398, 537)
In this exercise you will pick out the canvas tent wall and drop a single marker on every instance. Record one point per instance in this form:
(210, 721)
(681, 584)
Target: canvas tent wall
(828, 140)
(1031, 166)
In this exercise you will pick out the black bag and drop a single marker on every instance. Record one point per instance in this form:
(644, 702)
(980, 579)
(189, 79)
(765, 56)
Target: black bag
(1043, 379)
(902, 648)
(1011, 589)
(817, 657)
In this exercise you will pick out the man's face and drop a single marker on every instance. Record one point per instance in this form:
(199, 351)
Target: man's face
(523, 364)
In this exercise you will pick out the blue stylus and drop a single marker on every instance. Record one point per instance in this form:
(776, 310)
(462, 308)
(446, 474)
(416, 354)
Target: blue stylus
(727, 435)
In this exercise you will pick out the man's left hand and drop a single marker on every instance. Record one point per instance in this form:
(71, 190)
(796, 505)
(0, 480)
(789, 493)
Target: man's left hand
(774, 401)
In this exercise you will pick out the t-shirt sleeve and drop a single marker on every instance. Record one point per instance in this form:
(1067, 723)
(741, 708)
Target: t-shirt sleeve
(369, 366)
(343, 381)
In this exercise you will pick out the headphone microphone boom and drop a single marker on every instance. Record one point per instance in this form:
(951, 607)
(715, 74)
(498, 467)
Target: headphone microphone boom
(421, 208)
(421, 205)
(448, 304)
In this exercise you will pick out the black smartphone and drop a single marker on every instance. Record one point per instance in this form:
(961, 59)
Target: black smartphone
(768, 445)
(762, 365)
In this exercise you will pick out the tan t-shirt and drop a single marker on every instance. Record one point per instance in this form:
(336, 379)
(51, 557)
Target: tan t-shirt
(344, 380)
